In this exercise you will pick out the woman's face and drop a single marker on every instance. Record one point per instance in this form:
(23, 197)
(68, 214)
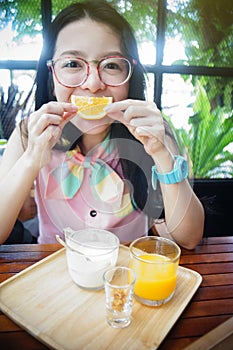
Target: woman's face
(89, 40)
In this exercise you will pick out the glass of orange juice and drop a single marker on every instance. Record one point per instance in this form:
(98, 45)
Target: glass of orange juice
(155, 261)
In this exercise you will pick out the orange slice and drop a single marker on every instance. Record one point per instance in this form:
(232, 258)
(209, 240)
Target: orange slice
(91, 107)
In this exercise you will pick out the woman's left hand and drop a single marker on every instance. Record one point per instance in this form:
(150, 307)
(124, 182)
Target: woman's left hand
(144, 121)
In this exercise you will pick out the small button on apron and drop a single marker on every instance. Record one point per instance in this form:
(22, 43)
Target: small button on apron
(93, 213)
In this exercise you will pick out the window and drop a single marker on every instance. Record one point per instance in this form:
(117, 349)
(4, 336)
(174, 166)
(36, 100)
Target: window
(186, 47)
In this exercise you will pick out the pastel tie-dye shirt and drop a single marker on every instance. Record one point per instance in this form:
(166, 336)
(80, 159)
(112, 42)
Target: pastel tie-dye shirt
(78, 206)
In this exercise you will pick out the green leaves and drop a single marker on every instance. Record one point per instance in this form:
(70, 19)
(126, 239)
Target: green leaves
(25, 16)
(210, 133)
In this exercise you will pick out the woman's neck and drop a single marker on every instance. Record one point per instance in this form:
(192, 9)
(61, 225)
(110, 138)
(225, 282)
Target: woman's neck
(90, 141)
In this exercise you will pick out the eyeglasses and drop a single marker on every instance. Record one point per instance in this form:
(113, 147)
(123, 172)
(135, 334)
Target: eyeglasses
(74, 71)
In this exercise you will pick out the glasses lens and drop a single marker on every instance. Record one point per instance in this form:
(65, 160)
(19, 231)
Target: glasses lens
(115, 70)
(70, 71)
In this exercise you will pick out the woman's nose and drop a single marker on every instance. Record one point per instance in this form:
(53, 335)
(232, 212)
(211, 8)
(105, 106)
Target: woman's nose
(93, 82)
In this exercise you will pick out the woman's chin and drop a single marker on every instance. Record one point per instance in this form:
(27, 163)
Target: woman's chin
(87, 126)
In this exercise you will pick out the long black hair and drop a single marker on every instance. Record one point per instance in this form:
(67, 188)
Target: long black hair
(99, 11)
(136, 163)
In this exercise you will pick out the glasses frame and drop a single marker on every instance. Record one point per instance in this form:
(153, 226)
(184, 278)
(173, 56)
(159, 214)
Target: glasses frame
(131, 62)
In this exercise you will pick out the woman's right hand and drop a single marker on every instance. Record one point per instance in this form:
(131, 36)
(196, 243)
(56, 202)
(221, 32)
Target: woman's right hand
(44, 129)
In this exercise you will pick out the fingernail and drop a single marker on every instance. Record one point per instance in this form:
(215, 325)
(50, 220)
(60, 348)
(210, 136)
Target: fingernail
(74, 108)
(132, 122)
(107, 108)
(139, 130)
(56, 132)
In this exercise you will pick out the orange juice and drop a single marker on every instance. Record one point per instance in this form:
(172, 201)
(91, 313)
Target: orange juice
(156, 276)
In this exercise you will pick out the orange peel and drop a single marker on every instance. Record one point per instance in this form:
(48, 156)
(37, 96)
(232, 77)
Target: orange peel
(91, 108)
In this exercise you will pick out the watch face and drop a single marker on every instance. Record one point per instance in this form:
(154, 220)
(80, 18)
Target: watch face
(182, 166)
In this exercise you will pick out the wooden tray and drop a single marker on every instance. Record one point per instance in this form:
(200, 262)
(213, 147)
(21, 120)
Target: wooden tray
(43, 300)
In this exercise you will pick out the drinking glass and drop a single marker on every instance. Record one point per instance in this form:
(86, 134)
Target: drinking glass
(90, 252)
(155, 261)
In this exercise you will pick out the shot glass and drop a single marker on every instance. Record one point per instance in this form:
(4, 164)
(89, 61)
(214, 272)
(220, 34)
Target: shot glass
(119, 290)
(155, 261)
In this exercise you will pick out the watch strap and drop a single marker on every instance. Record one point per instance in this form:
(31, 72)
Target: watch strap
(178, 174)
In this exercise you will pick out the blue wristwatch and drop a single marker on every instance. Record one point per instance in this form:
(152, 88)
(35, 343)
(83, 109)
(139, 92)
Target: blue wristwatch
(178, 174)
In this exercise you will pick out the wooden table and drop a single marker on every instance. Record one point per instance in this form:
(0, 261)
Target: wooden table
(211, 305)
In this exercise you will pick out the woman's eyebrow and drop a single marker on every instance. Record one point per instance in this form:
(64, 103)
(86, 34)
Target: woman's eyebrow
(72, 53)
(112, 53)
(76, 53)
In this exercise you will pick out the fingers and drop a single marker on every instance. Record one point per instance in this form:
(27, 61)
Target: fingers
(52, 113)
(45, 128)
(139, 116)
(143, 119)
(129, 109)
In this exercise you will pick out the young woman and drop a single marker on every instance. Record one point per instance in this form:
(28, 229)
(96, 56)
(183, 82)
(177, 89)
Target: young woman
(118, 173)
